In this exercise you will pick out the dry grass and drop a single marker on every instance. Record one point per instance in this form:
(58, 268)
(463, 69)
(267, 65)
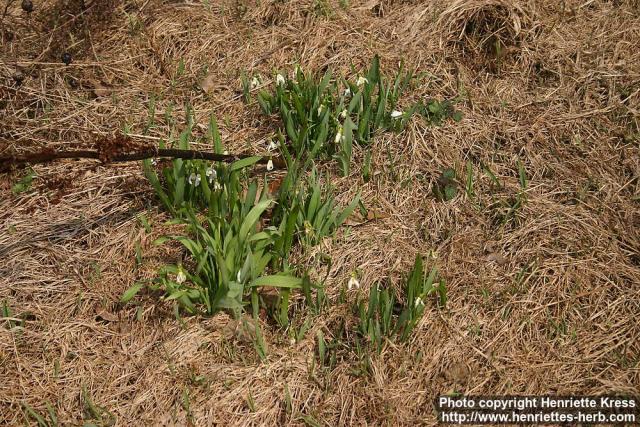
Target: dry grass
(546, 302)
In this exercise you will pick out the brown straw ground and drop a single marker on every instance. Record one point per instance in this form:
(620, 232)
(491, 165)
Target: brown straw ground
(544, 299)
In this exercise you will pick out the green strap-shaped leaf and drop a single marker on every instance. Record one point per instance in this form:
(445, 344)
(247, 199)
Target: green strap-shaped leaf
(348, 210)
(374, 72)
(252, 217)
(243, 163)
(312, 207)
(131, 292)
(155, 183)
(278, 281)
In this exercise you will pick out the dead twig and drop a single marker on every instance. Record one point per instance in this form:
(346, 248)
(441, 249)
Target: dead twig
(7, 162)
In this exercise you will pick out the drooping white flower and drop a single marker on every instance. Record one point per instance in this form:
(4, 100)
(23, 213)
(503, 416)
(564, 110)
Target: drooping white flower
(194, 179)
(255, 82)
(211, 174)
(339, 136)
(239, 277)
(419, 302)
(272, 145)
(270, 165)
(320, 109)
(353, 283)
(180, 276)
(154, 162)
(361, 80)
(347, 92)
(395, 114)
(280, 80)
(217, 186)
(343, 114)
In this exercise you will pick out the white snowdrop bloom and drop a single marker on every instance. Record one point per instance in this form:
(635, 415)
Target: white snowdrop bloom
(270, 165)
(419, 302)
(353, 283)
(343, 114)
(255, 82)
(347, 92)
(320, 109)
(361, 80)
(280, 80)
(239, 277)
(154, 162)
(339, 136)
(395, 114)
(272, 146)
(180, 276)
(194, 179)
(217, 186)
(211, 174)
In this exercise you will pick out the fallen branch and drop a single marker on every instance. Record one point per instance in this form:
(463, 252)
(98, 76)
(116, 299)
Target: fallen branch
(49, 155)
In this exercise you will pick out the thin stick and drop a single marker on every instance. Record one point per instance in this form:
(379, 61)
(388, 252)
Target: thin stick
(45, 156)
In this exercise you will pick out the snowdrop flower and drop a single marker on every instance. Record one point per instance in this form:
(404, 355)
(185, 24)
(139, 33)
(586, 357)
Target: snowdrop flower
(320, 109)
(255, 82)
(343, 114)
(270, 165)
(272, 146)
(217, 186)
(180, 276)
(211, 174)
(353, 283)
(395, 114)
(419, 302)
(339, 136)
(194, 179)
(361, 80)
(154, 162)
(347, 92)
(279, 80)
(239, 277)
(308, 229)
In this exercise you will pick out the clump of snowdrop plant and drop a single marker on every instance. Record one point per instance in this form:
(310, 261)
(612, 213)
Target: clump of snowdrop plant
(231, 255)
(238, 238)
(324, 116)
(239, 235)
(378, 319)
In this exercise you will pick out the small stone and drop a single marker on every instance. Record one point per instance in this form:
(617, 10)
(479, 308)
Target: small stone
(27, 6)
(18, 77)
(66, 58)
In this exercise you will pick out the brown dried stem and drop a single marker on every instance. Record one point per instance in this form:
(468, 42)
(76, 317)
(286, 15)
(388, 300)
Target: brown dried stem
(46, 156)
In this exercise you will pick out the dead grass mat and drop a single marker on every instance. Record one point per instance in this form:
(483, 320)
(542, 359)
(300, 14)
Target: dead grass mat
(542, 300)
